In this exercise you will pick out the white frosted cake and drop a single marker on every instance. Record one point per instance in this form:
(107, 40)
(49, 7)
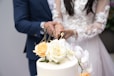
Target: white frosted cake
(66, 68)
(63, 59)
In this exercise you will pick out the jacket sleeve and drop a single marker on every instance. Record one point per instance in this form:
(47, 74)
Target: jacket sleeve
(23, 23)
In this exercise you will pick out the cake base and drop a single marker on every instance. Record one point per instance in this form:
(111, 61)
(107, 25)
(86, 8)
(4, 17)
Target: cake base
(66, 68)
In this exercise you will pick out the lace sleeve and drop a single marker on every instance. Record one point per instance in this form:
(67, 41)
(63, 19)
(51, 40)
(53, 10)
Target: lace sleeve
(98, 25)
(56, 12)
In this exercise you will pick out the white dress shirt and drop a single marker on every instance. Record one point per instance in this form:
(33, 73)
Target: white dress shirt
(50, 2)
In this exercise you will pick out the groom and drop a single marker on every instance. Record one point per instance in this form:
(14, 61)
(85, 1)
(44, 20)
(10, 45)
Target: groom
(31, 17)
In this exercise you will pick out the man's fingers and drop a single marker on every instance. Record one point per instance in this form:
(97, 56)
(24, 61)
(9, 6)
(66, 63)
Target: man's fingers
(49, 26)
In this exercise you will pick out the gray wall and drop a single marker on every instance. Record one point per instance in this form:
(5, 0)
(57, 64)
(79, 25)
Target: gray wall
(12, 60)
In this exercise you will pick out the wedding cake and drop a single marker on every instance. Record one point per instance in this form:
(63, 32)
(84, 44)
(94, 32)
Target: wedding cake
(58, 58)
(67, 68)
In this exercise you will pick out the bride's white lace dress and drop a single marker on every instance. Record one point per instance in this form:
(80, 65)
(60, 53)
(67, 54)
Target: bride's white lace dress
(88, 39)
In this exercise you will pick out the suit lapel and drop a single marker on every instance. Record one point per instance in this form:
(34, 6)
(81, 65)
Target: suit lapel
(46, 6)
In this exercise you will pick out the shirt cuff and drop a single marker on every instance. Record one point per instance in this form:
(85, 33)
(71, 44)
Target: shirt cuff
(42, 26)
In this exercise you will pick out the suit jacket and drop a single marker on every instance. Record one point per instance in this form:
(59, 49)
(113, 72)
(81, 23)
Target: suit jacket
(28, 15)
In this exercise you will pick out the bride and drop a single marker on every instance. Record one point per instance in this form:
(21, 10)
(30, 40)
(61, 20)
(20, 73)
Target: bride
(82, 21)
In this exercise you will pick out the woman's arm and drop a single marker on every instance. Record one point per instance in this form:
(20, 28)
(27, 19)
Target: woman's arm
(99, 23)
(101, 4)
(23, 23)
(57, 17)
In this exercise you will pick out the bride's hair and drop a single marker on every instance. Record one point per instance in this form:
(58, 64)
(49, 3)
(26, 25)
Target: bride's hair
(69, 5)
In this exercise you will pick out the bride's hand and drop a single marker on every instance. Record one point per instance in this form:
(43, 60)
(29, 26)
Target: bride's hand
(58, 29)
(93, 27)
(68, 33)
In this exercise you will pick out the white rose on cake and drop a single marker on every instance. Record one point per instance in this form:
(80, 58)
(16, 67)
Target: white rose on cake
(58, 50)
(55, 50)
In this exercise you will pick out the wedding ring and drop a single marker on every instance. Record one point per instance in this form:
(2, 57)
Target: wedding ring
(62, 34)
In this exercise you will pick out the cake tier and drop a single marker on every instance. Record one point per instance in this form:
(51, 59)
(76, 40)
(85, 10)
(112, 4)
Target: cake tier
(66, 68)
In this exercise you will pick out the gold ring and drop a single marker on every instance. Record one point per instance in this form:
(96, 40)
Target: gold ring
(62, 34)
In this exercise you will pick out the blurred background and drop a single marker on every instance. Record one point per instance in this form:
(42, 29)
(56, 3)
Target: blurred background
(13, 61)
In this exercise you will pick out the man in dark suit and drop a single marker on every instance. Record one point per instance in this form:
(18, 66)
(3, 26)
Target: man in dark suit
(31, 16)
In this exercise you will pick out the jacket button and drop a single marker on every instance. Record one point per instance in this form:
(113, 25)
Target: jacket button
(35, 35)
(34, 43)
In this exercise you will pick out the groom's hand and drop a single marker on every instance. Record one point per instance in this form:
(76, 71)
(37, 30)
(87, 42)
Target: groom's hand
(50, 27)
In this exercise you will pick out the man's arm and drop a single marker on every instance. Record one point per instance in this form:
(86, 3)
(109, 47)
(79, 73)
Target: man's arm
(22, 19)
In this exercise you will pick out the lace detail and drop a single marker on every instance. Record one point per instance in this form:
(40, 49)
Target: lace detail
(56, 14)
(100, 19)
(81, 21)
(79, 6)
